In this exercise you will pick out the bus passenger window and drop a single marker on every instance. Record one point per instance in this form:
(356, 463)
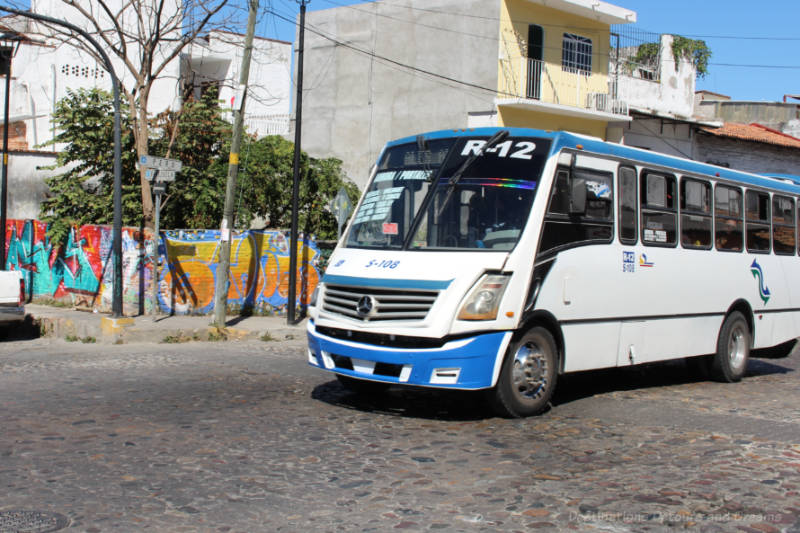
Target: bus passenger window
(565, 228)
(695, 214)
(783, 235)
(757, 221)
(728, 234)
(627, 205)
(659, 220)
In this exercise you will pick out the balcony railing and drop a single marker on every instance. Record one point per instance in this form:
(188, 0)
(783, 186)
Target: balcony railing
(533, 79)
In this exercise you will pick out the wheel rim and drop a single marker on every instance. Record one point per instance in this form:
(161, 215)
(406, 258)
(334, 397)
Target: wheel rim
(530, 371)
(737, 346)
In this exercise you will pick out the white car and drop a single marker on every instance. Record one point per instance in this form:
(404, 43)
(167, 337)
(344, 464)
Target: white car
(12, 296)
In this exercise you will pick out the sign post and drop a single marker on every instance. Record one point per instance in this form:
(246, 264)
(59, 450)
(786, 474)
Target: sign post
(159, 171)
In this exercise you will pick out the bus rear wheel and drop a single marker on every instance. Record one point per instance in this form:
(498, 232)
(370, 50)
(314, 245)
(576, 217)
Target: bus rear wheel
(528, 376)
(733, 349)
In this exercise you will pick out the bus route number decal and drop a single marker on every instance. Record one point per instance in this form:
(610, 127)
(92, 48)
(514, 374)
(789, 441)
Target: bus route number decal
(512, 149)
(628, 262)
(388, 263)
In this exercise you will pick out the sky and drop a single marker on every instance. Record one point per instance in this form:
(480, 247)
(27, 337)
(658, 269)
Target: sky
(755, 46)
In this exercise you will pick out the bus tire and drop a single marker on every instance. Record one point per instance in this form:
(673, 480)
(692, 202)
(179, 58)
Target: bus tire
(362, 386)
(528, 376)
(733, 349)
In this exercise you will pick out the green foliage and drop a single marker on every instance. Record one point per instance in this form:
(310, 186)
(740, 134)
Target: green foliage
(266, 187)
(83, 194)
(196, 198)
(693, 50)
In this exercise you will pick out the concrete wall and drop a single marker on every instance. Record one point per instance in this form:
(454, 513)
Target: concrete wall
(744, 155)
(776, 115)
(672, 94)
(658, 135)
(80, 273)
(354, 103)
(26, 186)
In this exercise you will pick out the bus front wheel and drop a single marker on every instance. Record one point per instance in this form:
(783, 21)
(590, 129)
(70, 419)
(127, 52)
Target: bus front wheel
(733, 349)
(528, 376)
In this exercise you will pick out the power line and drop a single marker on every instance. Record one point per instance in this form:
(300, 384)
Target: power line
(394, 62)
(572, 27)
(602, 55)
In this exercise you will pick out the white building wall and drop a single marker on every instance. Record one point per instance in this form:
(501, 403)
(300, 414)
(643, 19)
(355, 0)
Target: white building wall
(672, 94)
(43, 72)
(354, 102)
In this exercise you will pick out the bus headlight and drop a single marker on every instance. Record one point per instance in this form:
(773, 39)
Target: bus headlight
(484, 300)
(314, 295)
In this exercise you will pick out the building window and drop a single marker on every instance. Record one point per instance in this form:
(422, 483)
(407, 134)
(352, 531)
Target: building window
(576, 54)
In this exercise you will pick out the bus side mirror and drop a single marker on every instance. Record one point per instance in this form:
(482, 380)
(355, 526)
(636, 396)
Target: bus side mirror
(577, 196)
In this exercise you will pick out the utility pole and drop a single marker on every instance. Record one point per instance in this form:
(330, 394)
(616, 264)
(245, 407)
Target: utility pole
(226, 228)
(291, 302)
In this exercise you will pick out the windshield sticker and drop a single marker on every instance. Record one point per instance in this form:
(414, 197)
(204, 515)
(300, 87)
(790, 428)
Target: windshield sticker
(643, 262)
(376, 204)
(600, 189)
(403, 175)
(628, 262)
(390, 228)
(763, 290)
(499, 182)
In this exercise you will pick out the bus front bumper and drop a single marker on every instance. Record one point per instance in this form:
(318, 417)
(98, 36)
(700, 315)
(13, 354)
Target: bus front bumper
(466, 363)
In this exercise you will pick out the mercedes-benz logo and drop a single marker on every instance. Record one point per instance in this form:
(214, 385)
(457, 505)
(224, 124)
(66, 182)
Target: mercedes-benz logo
(366, 306)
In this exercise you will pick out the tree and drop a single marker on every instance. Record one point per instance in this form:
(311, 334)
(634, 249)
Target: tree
(200, 138)
(83, 194)
(144, 36)
(266, 175)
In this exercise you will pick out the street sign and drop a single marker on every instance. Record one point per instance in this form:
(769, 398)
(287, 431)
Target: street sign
(159, 188)
(341, 207)
(159, 175)
(160, 163)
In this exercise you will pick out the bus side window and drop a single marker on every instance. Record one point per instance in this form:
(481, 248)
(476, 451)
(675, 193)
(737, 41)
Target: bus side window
(757, 221)
(627, 205)
(659, 217)
(563, 226)
(695, 214)
(783, 236)
(728, 218)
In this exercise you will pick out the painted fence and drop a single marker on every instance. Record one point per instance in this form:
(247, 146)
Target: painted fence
(81, 273)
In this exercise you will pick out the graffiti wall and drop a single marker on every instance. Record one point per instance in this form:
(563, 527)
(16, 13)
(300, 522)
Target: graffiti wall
(80, 273)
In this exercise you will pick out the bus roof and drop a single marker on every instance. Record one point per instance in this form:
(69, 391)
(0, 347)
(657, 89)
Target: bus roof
(564, 139)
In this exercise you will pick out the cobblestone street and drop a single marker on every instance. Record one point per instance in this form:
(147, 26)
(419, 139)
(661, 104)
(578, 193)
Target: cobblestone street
(244, 436)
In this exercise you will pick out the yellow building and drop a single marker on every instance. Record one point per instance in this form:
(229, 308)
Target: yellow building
(553, 66)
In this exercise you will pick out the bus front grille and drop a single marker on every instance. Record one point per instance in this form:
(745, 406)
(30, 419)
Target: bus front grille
(372, 304)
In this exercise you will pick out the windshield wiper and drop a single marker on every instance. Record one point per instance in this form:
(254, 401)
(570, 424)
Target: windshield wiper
(454, 179)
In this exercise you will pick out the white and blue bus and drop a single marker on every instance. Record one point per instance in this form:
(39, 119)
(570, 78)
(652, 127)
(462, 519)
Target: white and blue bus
(499, 259)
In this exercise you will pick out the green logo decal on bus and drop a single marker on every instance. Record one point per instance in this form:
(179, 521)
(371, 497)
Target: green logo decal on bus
(763, 290)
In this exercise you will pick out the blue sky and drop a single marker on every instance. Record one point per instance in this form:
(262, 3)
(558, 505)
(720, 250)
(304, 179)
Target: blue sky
(755, 45)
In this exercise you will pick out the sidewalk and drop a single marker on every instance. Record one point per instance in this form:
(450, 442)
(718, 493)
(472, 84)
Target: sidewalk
(71, 324)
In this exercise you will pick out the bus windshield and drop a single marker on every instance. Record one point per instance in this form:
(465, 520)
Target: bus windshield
(412, 202)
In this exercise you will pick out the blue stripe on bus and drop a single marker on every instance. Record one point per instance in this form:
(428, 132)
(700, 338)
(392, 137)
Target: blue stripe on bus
(590, 145)
(421, 284)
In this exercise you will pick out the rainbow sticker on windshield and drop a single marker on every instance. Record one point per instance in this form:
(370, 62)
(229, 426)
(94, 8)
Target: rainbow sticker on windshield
(509, 183)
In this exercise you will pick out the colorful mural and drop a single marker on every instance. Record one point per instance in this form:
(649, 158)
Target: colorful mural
(81, 273)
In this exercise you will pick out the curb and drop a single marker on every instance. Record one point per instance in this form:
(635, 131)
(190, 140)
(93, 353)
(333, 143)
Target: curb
(124, 330)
